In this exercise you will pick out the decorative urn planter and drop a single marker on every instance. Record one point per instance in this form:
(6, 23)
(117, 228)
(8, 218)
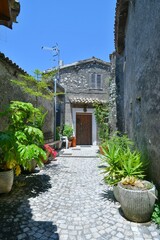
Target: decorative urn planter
(6, 181)
(137, 204)
(116, 193)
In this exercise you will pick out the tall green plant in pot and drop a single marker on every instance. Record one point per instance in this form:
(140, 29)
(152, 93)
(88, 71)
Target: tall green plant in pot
(120, 160)
(137, 198)
(25, 124)
(9, 160)
(68, 131)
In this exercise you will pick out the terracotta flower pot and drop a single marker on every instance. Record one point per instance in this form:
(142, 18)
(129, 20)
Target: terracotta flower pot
(74, 142)
(69, 144)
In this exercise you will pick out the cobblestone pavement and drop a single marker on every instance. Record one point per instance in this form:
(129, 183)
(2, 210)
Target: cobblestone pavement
(67, 200)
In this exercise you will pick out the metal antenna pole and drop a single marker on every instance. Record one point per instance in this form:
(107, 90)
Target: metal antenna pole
(55, 49)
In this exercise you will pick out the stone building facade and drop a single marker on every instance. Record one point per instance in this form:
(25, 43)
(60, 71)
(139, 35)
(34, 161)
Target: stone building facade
(137, 34)
(85, 82)
(10, 92)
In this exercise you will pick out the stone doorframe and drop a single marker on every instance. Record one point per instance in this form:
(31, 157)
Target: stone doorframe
(94, 125)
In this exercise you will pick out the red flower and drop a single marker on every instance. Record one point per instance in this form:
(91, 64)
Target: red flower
(50, 150)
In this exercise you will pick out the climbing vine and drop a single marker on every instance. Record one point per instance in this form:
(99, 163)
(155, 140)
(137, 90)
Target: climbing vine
(101, 112)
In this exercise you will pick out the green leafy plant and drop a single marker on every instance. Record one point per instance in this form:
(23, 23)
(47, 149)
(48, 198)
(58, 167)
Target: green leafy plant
(132, 164)
(101, 114)
(156, 214)
(36, 86)
(112, 163)
(9, 157)
(121, 160)
(39, 86)
(68, 131)
(22, 141)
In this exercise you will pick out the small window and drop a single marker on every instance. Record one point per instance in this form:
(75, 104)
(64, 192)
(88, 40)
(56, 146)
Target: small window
(96, 81)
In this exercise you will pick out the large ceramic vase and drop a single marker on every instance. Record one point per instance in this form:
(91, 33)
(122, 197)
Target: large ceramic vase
(137, 205)
(6, 181)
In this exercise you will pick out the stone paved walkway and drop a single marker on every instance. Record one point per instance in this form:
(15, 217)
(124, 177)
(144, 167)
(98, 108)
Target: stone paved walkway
(67, 200)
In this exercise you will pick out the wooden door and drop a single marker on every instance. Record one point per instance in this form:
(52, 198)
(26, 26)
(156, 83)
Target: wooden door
(84, 129)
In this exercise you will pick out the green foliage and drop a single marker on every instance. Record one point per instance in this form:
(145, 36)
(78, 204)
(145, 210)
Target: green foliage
(156, 213)
(7, 148)
(23, 139)
(29, 152)
(132, 164)
(21, 114)
(121, 160)
(101, 114)
(68, 131)
(40, 86)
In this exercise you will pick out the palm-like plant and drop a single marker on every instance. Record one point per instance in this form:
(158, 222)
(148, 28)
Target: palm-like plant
(121, 160)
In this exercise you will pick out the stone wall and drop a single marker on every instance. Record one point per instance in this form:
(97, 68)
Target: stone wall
(112, 96)
(138, 73)
(10, 92)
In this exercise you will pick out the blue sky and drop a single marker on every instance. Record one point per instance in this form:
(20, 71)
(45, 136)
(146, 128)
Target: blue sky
(82, 29)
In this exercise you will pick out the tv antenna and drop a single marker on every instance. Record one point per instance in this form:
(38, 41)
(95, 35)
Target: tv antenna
(55, 50)
(56, 53)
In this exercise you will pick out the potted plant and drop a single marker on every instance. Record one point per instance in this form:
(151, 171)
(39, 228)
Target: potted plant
(120, 161)
(137, 198)
(50, 151)
(68, 132)
(27, 122)
(21, 142)
(9, 161)
(124, 171)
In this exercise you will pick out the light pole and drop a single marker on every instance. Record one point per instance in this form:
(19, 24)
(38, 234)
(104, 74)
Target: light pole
(56, 51)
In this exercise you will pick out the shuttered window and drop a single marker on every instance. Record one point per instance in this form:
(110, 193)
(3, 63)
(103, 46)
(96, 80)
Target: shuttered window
(96, 81)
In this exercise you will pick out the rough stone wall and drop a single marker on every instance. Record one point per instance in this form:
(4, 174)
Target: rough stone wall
(112, 97)
(120, 93)
(10, 92)
(75, 79)
(140, 64)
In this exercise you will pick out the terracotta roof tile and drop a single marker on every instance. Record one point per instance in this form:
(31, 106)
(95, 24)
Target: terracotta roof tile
(86, 100)
(7, 60)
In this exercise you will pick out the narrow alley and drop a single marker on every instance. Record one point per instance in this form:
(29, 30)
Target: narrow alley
(67, 200)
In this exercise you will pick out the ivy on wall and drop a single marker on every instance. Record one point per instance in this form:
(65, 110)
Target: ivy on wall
(101, 112)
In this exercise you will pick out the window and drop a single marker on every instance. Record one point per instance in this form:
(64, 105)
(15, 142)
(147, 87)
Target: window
(96, 81)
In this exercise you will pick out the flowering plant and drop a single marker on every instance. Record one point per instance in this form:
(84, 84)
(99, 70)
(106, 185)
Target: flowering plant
(50, 150)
